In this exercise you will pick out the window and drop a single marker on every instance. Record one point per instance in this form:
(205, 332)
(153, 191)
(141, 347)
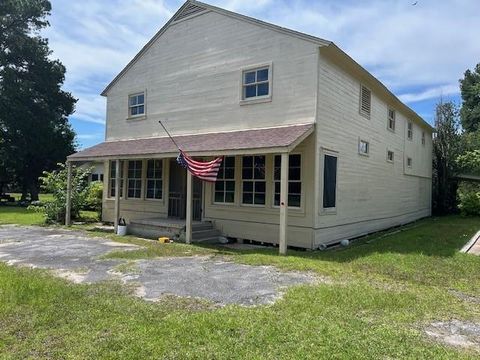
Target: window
(365, 101)
(363, 147)
(134, 189)
(294, 180)
(136, 105)
(253, 180)
(391, 119)
(409, 162)
(329, 181)
(256, 83)
(113, 167)
(154, 180)
(423, 137)
(410, 130)
(225, 184)
(390, 156)
(95, 177)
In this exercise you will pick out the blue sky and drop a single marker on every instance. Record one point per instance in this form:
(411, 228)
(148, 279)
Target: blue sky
(419, 52)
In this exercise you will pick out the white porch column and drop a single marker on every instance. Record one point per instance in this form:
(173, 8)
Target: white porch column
(117, 195)
(283, 204)
(68, 209)
(188, 220)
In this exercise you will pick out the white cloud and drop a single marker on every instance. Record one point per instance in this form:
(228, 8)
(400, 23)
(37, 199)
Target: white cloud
(419, 51)
(430, 93)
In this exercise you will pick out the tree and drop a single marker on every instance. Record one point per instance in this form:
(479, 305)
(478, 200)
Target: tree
(447, 146)
(470, 91)
(34, 110)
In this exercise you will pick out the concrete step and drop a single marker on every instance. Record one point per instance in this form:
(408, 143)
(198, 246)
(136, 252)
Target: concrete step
(202, 226)
(211, 240)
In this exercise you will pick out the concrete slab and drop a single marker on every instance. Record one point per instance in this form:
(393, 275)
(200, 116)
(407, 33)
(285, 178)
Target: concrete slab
(76, 257)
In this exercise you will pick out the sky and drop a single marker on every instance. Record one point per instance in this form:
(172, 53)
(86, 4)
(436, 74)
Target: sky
(418, 51)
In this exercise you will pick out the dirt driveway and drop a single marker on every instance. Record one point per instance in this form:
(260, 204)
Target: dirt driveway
(77, 257)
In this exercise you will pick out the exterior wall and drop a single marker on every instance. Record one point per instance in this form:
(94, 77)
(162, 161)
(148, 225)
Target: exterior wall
(372, 194)
(192, 79)
(261, 223)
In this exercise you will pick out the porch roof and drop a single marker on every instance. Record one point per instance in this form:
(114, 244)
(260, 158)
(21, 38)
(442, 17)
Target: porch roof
(268, 140)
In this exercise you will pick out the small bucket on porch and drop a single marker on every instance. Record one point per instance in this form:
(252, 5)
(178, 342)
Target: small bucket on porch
(122, 227)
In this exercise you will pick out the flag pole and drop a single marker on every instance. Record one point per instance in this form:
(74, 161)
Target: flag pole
(170, 136)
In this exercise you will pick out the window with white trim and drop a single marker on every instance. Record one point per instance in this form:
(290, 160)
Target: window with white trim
(409, 162)
(225, 184)
(410, 130)
(113, 167)
(390, 156)
(423, 137)
(329, 181)
(134, 188)
(256, 83)
(391, 119)
(253, 180)
(136, 105)
(294, 180)
(154, 179)
(365, 101)
(363, 147)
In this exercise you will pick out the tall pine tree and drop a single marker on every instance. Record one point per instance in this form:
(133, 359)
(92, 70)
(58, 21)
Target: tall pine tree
(470, 90)
(34, 130)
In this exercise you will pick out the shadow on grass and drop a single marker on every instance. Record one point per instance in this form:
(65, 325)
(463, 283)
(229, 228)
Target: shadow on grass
(436, 236)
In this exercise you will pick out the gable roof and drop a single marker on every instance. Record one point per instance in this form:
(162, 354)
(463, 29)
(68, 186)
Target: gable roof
(192, 8)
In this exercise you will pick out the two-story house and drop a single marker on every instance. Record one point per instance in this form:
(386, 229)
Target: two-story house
(298, 121)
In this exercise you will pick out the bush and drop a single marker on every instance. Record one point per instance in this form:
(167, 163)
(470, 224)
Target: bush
(469, 198)
(94, 196)
(55, 182)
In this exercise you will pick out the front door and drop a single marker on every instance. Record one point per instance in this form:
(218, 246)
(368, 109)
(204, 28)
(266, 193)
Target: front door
(177, 199)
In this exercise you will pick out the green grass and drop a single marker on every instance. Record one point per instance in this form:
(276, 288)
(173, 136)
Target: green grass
(381, 292)
(20, 215)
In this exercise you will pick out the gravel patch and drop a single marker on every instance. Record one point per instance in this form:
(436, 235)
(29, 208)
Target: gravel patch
(455, 333)
(78, 258)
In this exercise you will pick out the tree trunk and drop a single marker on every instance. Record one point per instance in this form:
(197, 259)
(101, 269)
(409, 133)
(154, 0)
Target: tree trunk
(34, 192)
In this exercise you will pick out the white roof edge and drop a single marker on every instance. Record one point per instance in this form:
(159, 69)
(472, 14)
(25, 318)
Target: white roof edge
(390, 94)
(297, 34)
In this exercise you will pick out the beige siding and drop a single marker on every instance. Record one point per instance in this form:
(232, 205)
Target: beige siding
(192, 79)
(371, 193)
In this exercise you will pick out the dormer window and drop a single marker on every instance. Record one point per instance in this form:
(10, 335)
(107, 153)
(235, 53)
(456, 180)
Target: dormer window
(136, 105)
(256, 83)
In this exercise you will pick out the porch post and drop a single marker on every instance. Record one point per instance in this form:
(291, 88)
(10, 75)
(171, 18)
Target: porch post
(188, 220)
(283, 204)
(68, 209)
(117, 195)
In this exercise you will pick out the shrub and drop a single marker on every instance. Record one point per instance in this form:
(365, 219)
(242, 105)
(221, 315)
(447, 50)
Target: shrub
(94, 196)
(469, 198)
(55, 182)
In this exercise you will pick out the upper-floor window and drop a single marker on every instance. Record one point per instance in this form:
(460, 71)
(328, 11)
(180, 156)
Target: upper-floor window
(253, 180)
(363, 147)
(136, 104)
(410, 130)
(225, 184)
(391, 119)
(409, 162)
(423, 137)
(365, 101)
(390, 156)
(294, 180)
(256, 83)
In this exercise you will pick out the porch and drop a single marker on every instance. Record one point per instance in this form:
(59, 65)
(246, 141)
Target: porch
(147, 186)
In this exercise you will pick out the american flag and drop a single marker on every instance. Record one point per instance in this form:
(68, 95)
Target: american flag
(207, 171)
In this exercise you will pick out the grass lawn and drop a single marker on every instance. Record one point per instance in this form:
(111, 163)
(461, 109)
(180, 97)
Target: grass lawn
(379, 294)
